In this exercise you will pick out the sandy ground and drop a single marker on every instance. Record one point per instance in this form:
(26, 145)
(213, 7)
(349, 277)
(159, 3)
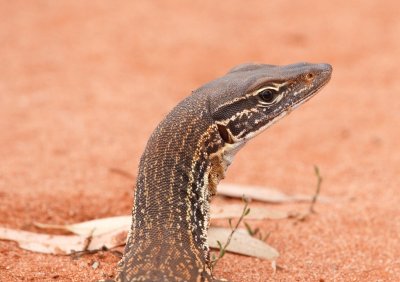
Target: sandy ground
(83, 84)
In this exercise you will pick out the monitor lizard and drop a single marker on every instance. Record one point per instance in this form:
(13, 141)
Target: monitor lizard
(188, 154)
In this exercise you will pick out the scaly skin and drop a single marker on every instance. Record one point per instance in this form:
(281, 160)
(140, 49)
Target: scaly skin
(188, 154)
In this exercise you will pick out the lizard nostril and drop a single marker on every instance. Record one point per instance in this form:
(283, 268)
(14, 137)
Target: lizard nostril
(309, 76)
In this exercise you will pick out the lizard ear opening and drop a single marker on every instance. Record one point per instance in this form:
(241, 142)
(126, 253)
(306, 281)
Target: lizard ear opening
(224, 133)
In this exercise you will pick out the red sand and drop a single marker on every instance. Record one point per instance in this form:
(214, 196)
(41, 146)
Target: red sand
(83, 84)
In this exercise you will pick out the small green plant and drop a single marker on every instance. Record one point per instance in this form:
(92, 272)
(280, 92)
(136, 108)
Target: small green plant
(222, 248)
(256, 232)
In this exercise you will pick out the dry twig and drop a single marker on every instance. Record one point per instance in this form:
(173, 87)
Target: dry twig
(319, 182)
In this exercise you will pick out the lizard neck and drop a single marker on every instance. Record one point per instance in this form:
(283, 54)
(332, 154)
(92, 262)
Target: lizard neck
(178, 174)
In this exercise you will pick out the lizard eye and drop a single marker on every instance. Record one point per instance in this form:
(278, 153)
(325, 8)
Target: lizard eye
(268, 95)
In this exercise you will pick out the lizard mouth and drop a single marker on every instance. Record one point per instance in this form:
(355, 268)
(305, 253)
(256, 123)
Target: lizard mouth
(309, 96)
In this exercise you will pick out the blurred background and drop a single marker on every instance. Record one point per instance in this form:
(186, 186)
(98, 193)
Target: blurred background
(84, 83)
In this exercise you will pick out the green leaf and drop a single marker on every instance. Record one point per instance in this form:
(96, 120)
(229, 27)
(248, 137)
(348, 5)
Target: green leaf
(222, 253)
(249, 230)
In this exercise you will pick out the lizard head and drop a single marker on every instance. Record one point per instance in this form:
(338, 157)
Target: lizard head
(252, 97)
